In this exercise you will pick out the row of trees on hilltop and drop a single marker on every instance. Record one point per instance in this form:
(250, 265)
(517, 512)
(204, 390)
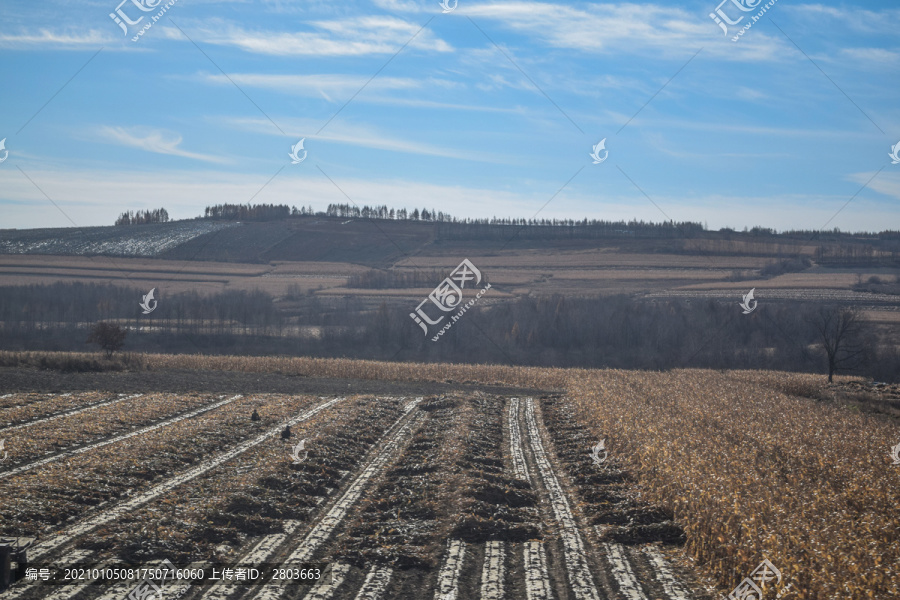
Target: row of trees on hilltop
(143, 217)
(383, 212)
(248, 212)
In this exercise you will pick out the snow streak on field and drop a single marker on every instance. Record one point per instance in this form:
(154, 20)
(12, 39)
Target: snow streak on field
(376, 583)
(674, 589)
(537, 579)
(576, 564)
(144, 241)
(493, 573)
(623, 573)
(448, 578)
(515, 442)
(325, 589)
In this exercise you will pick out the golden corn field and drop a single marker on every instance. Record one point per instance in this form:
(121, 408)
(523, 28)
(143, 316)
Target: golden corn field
(754, 473)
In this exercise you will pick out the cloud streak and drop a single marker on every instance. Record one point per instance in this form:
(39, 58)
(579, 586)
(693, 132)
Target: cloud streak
(152, 140)
(355, 36)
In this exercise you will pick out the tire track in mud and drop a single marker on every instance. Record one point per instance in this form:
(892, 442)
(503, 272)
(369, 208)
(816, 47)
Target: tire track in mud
(70, 534)
(69, 453)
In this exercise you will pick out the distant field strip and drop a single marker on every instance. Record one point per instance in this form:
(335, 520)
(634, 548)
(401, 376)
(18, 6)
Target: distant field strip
(515, 442)
(118, 438)
(68, 413)
(579, 573)
(116, 512)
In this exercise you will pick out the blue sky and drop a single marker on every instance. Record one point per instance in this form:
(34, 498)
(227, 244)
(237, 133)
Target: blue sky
(489, 109)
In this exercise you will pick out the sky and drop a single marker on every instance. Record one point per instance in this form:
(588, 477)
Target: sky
(477, 109)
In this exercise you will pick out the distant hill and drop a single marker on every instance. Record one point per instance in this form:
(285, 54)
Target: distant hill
(359, 241)
(382, 243)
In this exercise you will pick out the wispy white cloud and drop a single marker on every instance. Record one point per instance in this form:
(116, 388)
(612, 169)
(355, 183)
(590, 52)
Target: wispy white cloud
(401, 5)
(57, 40)
(625, 28)
(359, 135)
(886, 182)
(885, 21)
(152, 140)
(873, 58)
(352, 36)
(337, 88)
(334, 85)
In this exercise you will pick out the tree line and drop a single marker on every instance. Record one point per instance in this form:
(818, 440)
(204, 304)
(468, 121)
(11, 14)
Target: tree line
(143, 217)
(615, 331)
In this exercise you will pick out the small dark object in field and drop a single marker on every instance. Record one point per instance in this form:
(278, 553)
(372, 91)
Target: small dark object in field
(254, 416)
(286, 433)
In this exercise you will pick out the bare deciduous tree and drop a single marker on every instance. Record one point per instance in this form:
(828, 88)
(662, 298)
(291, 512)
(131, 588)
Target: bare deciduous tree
(839, 331)
(109, 336)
